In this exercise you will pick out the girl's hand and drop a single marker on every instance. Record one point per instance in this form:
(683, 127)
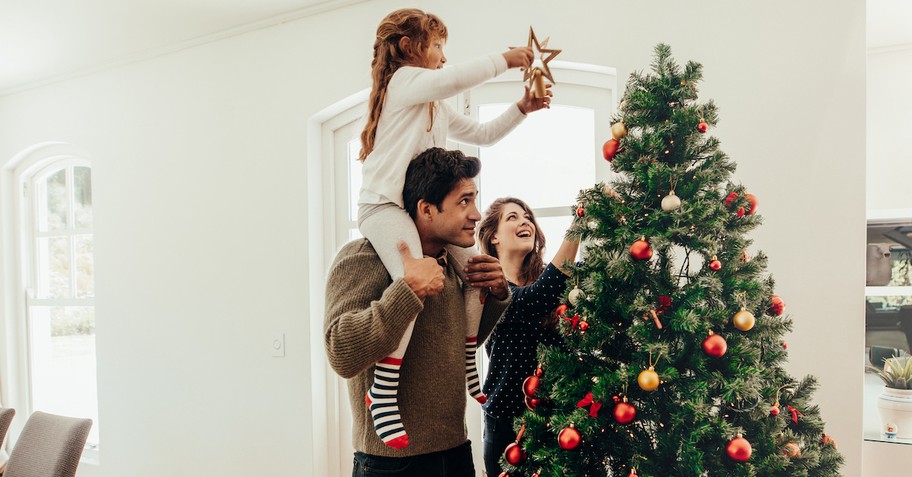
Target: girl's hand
(519, 57)
(529, 102)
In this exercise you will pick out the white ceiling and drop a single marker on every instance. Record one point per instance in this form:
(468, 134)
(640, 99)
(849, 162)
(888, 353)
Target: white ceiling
(45, 40)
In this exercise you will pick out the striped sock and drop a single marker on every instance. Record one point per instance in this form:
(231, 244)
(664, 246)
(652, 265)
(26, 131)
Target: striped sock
(383, 403)
(473, 382)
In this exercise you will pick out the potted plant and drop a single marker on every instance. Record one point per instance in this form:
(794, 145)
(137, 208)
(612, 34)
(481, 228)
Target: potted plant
(895, 401)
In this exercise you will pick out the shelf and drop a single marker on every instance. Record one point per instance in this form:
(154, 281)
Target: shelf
(888, 291)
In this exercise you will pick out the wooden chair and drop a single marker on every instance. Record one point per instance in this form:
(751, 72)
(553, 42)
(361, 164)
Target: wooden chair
(49, 446)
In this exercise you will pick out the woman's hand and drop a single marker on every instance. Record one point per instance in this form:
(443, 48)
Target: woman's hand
(529, 102)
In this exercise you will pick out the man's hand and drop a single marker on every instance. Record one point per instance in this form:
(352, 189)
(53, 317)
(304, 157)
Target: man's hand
(424, 276)
(484, 271)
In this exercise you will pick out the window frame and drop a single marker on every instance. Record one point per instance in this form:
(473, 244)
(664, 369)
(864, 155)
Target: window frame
(20, 258)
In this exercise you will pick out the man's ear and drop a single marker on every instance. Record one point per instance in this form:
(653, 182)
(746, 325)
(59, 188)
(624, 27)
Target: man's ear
(423, 211)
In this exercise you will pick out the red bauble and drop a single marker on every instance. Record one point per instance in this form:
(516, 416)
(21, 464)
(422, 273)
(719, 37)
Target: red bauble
(740, 212)
(702, 127)
(731, 198)
(569, 438)
(715, 345)
(561, 309)
(715, 264)
(515, 454)
(610, 148)
(791, 449)
(826, 439)
(584, 325)
(530, 385)
(624, 413)
(774, 411)
(777, 307)
(505, 474)
(532, 402)
(641, 250)
(633, 473)
(580, 211)
(753, 203)
(738, 449)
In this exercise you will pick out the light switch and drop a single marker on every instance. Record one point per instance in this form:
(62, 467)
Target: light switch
(278, 345)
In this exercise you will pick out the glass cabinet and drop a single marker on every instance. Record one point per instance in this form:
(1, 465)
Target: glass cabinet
(888, 320)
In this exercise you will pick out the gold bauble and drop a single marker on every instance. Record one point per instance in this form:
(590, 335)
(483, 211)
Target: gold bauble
(743, 320)
(648, 379)
(618, 130)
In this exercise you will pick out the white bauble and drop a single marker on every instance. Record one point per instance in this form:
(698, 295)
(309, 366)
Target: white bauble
(670, 202)
(576, 295)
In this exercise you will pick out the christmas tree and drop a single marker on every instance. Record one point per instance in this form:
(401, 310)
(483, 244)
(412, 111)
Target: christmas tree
(672, 361)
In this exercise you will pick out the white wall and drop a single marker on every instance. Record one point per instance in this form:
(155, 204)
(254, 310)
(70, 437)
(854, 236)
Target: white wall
(889, 123)
(201, 223)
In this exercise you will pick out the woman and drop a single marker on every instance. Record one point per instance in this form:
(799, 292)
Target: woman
(510, 233)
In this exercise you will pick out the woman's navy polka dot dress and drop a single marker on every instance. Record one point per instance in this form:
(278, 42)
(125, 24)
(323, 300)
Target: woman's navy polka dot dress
(513, 343)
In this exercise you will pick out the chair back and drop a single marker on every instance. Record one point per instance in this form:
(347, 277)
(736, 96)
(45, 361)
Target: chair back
(6, 417)
(49, 446)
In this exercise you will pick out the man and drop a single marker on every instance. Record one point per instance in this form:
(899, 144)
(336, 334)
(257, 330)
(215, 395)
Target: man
(367, 314)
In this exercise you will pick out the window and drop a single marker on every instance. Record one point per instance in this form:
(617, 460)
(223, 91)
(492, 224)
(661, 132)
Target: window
(559, 152)
(58, 277)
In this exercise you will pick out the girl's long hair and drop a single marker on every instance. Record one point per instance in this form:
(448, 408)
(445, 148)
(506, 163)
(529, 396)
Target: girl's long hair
(534, 262)
(420, 27)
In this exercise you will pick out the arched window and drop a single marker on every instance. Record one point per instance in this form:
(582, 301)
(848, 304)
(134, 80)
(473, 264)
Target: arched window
(545, 162)
(54, 224)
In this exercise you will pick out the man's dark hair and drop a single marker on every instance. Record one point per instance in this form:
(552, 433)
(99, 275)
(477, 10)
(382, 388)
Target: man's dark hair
(433, 174)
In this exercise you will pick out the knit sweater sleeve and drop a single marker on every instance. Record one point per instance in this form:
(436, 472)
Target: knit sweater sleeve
(493, 310)
(411, 85)
(366, 315)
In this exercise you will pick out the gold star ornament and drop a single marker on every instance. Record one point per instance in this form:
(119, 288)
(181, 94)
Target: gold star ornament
(539, 70)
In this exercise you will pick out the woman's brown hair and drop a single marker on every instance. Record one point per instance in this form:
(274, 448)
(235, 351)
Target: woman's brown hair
(533, 263)
(389, 56)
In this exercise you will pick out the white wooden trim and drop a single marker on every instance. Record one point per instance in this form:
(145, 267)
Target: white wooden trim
(888, 291)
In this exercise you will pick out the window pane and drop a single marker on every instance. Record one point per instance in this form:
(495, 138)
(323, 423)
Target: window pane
(62, 347)
(545, 161)
(554, 229)
(85, 266)
(354, 177)
(82, 208)
(53, 213)
(54, 267)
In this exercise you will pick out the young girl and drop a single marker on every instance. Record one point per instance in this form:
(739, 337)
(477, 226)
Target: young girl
(405, 117)
(510, 233)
